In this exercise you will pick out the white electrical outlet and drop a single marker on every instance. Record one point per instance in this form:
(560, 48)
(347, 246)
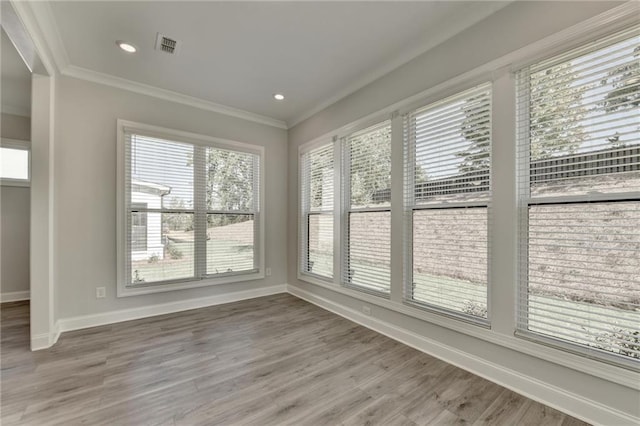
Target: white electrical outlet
(366, 309)
(268, 272)
(101, 292)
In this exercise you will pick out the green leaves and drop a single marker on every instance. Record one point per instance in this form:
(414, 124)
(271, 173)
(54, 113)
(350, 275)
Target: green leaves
(229, 180)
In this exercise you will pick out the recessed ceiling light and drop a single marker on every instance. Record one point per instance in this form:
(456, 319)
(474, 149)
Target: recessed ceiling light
(278, 97)
(127, 47)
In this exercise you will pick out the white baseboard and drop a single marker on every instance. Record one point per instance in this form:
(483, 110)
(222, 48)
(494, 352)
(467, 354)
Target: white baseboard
(552, 396)
(55, 335)
(14, 296)
(45, 340)
(40, 341)
(86, 321)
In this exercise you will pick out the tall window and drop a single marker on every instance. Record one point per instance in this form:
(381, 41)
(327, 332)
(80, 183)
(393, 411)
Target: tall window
(367, 199)
(448, 191)
(191, 209)
(317, 197)
(579, 132)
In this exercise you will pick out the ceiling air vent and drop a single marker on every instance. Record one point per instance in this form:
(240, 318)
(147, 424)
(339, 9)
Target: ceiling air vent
(166, 44)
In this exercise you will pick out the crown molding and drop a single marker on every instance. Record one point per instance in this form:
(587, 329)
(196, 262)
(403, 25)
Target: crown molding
(601, 25)
(612, 20)
(465, 19)
(47, 24)
(39, 21)
(33, 38)
(42, 22)
(624, 14)
(168, 95)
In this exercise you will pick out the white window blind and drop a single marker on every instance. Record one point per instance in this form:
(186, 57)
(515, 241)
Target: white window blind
(191, 210)
(579, 156)
(448, 192)
(317, 197)
(367, 197)
(232, 191)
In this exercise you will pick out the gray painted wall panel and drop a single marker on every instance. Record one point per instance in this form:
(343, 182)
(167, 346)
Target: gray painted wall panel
(14, 225)
(85, 191)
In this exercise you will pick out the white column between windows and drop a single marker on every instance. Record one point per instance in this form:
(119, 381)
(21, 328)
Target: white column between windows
(503, 217)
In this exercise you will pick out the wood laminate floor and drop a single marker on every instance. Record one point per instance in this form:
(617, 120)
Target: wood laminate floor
(270, 361)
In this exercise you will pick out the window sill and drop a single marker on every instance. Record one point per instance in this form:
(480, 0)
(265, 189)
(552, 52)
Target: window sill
(15, 182)
(602, 370)
(124, 291)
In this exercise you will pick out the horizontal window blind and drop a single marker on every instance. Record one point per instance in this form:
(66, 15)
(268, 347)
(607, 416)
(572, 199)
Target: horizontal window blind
(448, 191)
(369, 250)
(159, 195)
(232, 185)
(367, 194)
(191, 210)
(579, 155)
(317, 196)
(320, 244)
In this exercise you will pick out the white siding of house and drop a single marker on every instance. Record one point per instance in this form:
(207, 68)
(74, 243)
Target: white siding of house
(154, 227)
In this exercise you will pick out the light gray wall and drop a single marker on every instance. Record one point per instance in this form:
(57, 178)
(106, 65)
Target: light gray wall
(85, 191)
(511, 28)
(16, 127)
(14, 223)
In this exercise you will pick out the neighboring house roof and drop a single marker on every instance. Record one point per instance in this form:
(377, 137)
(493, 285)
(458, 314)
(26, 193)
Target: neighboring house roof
(149, 188)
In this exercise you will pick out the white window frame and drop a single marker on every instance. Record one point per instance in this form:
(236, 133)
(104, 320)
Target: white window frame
(345, 195)
(124, 290)
(411, 207)
(525, 200)
(303, 212)
(22, 146)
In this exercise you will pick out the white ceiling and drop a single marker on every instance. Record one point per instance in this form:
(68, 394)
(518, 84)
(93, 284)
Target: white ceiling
(238, 54)
(15, 82)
